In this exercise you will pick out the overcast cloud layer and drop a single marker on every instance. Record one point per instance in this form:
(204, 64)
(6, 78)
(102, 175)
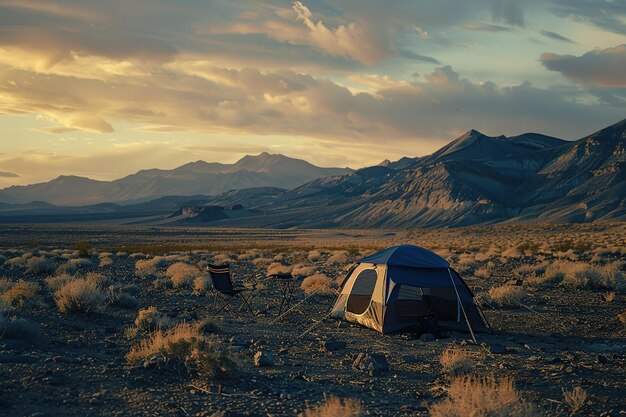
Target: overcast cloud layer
(87, 86)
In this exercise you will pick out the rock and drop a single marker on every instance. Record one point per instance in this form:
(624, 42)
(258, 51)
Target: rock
(497, 349)
(237, 348)
(263, 359)
(332, 345)
(408, 358)
(428, 337)
(602, 360)
(375, 363)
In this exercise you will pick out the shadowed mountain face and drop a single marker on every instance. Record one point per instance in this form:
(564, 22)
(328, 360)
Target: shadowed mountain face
(195, 178)
(476, 179)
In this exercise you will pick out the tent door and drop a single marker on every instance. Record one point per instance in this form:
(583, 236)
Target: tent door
(362, 290)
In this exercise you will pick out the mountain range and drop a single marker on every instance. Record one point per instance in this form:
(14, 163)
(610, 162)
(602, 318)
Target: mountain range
(475, 179)
(190, 179)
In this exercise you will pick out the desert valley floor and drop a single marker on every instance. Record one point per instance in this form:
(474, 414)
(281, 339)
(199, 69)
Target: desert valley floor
(553, 294)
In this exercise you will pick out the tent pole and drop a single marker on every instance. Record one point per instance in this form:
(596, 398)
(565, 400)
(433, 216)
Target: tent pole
(462, 308)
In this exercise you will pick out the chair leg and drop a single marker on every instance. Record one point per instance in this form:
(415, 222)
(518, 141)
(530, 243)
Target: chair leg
(226, 305)
(246, 303)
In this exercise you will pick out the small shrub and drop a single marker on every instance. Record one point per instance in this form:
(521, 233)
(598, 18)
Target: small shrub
(82, 249)
(335, 407)
(57, 281)
(148, 267)
(183, 348)
(201, 285)
(261, 262)
(207, 326)
(20, 329)
(118, 298)
(319, 284)
(182, 274)
(73, 266)
(339, 257)
(106, 261)
(314, 256)
(149, 319)
(5, 285)
(482, 273)
(608, 297)
(506, 295)
(456, 361)
(621, 317)
(575, 398)
(162, 283)
(40, 265)
(21, 294)
(278, 268)
(302, 270)
(79, 296)
(480, 396)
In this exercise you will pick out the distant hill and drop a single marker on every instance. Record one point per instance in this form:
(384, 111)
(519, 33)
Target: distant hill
(475, 179)
(196, 178)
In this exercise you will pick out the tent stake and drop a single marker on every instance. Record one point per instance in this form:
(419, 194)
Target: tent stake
(462, 308)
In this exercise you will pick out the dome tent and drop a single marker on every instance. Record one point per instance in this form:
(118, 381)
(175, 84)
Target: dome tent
(402, 288)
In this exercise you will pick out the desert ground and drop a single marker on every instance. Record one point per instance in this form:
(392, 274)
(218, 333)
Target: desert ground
(105, 320)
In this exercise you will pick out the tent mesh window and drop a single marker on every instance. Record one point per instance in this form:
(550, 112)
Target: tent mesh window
(362, 290)
(411, 304)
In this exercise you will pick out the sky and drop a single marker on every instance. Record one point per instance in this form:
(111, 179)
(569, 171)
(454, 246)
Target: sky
(102, 89)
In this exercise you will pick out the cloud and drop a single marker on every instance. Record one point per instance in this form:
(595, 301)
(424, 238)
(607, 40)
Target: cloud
(353, 40)
(608, 14)
(487, 27)
(55, 130)
(556, 36)
(8, 175)
(600, 67)
(417, 57)
(508, 11)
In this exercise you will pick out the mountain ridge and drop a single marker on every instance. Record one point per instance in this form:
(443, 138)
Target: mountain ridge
(199, 177)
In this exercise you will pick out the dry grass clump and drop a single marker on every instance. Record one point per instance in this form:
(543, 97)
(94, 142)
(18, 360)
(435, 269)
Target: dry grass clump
(57, 281)
(621, 317)
(207, 326)
(482, 272)
(201, 285)
(485, 397)
(575, 398)
(40, 265)
(335, 407)
(319, 284)
(222, 258)
(148, 267)
(105, 261)
(338, 257)
(81, 295)
(314, 256)
(20, 329)
(504, 296)
(73, 266)
(261, 262)
(278, 268)
(5, 284)
(456, 361)
(581, 275)
(302, 270)
(149, 319)
(183, 348)
(21, 294)
(182, 274)
(116, 296)
(19, 261)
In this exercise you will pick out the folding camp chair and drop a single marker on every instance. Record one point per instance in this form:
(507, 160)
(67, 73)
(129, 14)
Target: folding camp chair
(226, 291)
